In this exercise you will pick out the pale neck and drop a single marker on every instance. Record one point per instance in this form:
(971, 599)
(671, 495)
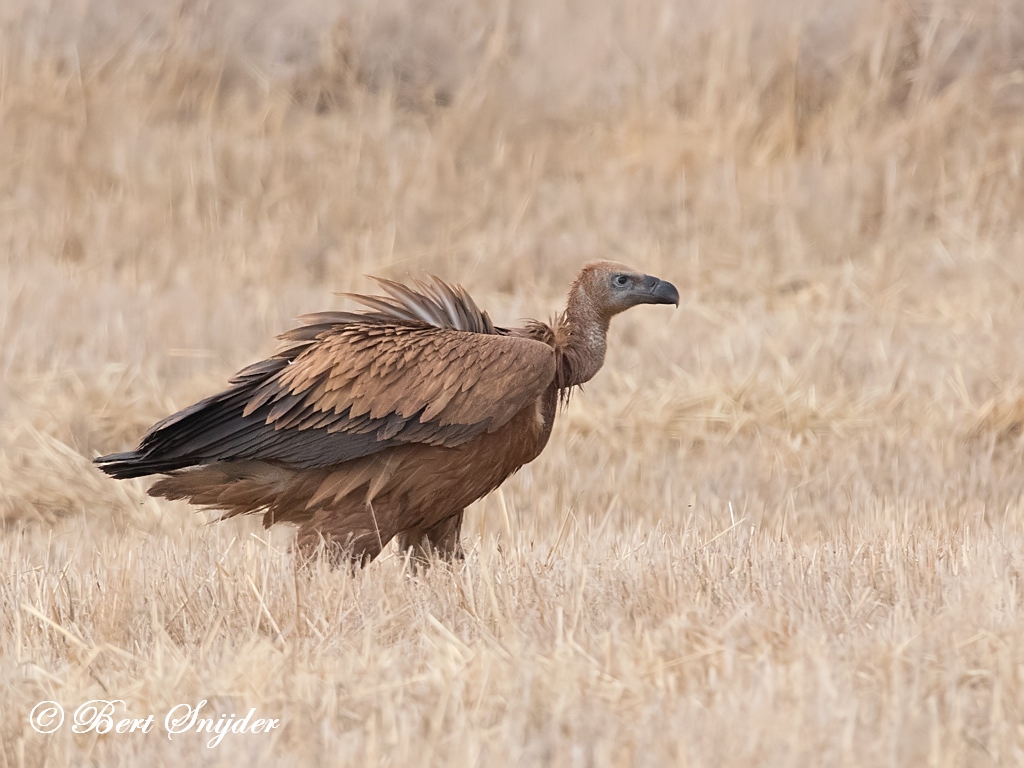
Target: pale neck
(583, 336)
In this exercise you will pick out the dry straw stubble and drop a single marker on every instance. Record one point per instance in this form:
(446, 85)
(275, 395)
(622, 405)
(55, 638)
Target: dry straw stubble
(782, 527)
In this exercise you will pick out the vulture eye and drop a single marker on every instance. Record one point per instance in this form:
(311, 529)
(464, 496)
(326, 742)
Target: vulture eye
(621, 281)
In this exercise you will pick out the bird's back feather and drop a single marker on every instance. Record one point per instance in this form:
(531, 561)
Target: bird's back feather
(422, 366)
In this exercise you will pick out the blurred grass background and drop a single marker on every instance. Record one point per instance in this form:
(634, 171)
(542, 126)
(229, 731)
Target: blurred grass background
(752, 512)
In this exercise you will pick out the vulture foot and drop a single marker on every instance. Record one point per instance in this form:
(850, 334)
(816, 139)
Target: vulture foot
(352, 539)
(441, 540)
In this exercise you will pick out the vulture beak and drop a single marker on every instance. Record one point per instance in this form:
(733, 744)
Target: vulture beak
(655, 291)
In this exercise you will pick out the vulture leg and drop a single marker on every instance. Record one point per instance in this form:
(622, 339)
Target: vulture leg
(442, 538)
(351, 537)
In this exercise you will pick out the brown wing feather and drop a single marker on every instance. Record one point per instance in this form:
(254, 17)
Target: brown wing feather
(441, 387)
(424, 365)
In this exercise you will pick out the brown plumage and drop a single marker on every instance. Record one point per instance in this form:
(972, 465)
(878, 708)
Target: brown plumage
(387, 422)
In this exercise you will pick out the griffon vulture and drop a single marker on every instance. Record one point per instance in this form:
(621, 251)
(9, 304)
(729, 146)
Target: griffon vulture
(387, 422)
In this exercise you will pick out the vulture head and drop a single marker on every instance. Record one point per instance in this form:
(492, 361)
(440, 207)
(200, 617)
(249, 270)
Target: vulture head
(610, 288)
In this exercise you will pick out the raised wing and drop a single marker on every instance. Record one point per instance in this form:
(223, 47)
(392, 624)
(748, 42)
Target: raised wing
(422, 366)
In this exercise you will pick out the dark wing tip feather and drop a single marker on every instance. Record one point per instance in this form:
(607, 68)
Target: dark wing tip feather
(129, 464)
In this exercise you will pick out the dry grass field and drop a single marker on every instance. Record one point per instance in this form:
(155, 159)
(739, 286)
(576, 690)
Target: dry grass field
(784, 526)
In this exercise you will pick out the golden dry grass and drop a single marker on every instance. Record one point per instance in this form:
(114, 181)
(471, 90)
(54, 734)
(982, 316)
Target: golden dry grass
(784, 526)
